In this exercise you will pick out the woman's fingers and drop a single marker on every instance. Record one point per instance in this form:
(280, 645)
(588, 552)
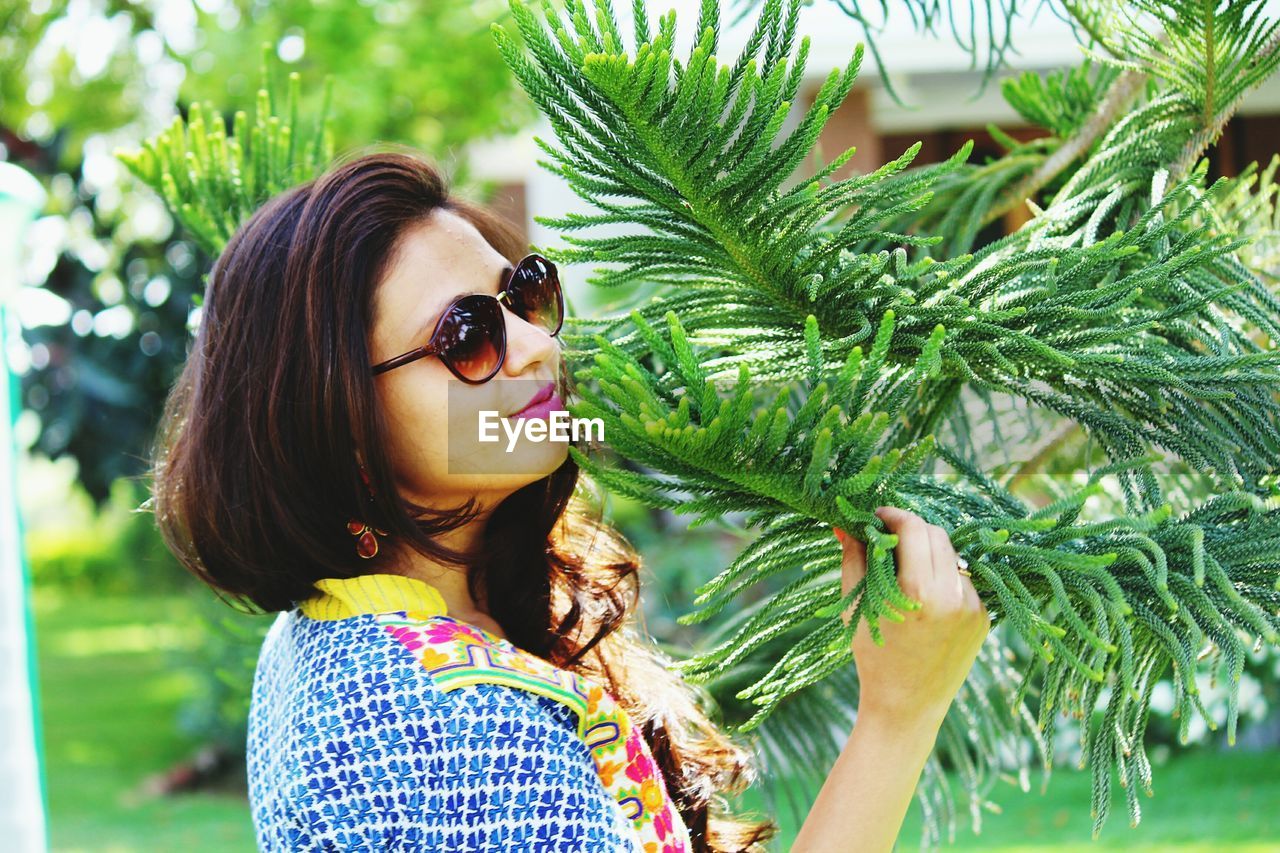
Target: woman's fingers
(914, 550)
(972, 601)
(853, 566)
(928, 565)
(946, 565)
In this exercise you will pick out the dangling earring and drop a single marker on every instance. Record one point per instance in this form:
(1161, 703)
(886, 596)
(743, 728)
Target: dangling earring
(366, 542)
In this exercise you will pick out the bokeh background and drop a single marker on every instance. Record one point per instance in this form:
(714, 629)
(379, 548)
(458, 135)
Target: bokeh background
(142, 676)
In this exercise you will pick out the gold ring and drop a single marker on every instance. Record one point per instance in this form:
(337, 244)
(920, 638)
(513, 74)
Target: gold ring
(962, 566)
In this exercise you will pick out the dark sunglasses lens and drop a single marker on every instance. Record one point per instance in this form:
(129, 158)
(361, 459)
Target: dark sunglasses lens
(535, 294)
(470, 339)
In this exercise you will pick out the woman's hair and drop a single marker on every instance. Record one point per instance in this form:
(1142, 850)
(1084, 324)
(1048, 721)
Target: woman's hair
(255, 475)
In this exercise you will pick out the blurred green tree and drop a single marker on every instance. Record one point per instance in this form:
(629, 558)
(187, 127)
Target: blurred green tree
(79, 79)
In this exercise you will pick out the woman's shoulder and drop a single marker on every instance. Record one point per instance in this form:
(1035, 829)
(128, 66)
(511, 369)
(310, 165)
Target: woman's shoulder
(431, 667)
(355, 688)
(345, 661)
(372, 743)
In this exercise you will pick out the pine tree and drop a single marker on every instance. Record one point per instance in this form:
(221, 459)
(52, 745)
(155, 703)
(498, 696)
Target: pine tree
(1125, 306)
(808, 350)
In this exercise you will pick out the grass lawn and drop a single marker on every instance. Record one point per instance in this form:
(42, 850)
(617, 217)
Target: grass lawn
(1203, 801)
(109, 699)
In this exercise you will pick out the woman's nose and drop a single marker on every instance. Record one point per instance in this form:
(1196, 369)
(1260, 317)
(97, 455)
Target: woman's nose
(528, 346)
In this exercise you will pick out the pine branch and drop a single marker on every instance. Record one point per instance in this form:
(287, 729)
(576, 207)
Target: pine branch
(990, 35)
(1216, 120)
(1119, 97)
(1100, 192)
(213, 182)
(1115, 308)
(1026, 310)
(805, 733)
(1116, 601)
(1211, 52)
(1251, 207)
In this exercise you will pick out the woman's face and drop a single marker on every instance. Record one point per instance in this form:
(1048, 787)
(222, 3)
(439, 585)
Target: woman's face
(433, 418)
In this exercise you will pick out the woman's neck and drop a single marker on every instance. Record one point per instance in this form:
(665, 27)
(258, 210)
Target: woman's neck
(450, 581)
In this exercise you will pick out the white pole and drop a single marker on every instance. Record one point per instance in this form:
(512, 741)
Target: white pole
(22, 819)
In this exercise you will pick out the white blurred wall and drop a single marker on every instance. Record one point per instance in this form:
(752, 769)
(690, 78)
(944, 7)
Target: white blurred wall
(22, 822)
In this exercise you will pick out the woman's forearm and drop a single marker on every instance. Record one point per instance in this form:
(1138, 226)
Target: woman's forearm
(905, 685)
(865, 796)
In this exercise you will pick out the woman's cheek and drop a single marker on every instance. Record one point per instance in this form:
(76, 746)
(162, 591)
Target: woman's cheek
(417, 444)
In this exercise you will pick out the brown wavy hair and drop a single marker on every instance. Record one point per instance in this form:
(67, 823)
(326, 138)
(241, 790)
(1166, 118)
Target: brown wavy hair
(254, 475)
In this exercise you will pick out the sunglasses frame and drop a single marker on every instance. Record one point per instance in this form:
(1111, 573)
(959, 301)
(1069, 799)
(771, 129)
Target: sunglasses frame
(429, 348)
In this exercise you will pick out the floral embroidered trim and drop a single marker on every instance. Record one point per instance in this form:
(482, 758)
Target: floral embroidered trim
(458, 653)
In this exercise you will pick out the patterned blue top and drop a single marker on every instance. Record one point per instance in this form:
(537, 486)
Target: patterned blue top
(352, 746)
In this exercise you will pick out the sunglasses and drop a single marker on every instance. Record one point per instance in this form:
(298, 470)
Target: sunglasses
(471, 335)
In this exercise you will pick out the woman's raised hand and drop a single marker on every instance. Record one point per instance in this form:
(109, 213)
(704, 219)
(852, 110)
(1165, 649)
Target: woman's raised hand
(906, 686)
(925, 658)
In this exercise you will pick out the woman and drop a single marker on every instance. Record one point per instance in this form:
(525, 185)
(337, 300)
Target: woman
(454, 666)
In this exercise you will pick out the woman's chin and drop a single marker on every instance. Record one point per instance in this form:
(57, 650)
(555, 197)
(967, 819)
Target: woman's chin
(507, 470)
(533, 460)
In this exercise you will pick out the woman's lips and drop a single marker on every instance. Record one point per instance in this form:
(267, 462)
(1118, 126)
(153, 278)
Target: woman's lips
(541, 394)
(541, 411)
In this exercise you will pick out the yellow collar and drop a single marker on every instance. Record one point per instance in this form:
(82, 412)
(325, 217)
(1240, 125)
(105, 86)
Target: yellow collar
(341, 598)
